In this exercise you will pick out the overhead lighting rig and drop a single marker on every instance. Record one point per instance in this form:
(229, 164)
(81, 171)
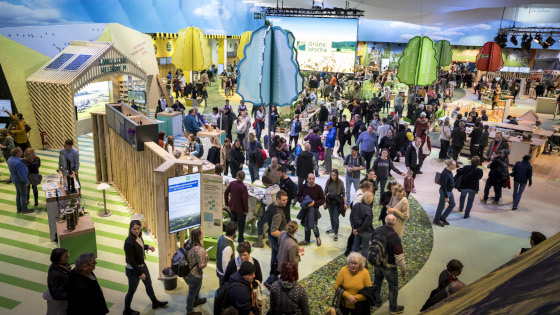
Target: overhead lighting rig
(528, 33)
(315, 11)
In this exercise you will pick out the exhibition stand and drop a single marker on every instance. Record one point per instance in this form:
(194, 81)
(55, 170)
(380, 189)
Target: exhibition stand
(546, 105)
(79, 241)
(172, 123)
(58, 197)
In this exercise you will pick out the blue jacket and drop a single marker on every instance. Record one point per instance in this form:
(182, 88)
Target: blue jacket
(368, 141)
(18, 170)
(191, 125)
(523, 172)
(71, 155)
(331, 138)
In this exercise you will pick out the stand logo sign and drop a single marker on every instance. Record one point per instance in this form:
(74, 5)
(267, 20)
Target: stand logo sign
(315, 46)
(110, 65)
(169, 46)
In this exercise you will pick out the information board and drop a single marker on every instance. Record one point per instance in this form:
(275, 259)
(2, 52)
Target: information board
(5, 105)
(184, 197)
(212, 205)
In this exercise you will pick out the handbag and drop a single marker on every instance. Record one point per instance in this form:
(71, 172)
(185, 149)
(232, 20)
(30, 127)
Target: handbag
(35, 179)
(261, 299)
(321, 154)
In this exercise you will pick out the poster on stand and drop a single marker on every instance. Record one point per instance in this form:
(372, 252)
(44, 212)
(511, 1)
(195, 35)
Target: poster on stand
(212, 205)
(184, 196)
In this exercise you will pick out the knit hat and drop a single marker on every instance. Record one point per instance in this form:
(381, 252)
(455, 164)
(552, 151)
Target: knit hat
(246, 268)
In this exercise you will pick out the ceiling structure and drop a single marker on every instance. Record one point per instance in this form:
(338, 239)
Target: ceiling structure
(447, 13)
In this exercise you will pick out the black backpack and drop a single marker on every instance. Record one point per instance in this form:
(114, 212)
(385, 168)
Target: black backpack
(503, 170)
(220, 298)
(180, 263)
(377, 253)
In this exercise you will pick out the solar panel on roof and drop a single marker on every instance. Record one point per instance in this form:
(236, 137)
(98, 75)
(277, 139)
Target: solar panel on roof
(58, 62)
(77, 63)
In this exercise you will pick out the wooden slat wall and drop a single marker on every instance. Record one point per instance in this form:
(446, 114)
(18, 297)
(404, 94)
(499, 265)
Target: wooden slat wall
(133, 176)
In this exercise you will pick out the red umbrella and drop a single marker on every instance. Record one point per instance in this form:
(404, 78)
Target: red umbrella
(489, 57)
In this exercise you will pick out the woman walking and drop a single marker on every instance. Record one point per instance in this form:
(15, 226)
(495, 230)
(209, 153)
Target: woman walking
(361, 219)
(57, 281)
(33, 164)
(225, 155)
(382, 167)
(401, 211)
(136, 268)
(198, 259)
(469, 184)
(336, 200)
(237, 158)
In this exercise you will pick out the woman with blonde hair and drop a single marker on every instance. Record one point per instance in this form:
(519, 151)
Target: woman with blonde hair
(33, 163)
(401, 210)
(352, 279)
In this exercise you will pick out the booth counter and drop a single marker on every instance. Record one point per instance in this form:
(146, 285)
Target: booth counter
(172, 123)
(79, 241)
(546, 105)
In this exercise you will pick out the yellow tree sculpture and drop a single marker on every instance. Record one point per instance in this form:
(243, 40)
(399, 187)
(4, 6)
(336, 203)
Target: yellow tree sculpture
(192, 52)
(245, 37)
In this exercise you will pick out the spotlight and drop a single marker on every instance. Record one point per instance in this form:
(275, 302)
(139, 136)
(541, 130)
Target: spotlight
(524, 39)
(538, 39)
(513, 40)
(548, 42)
(501, 40)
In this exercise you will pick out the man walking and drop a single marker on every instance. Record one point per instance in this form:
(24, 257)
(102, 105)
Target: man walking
(499, 173)
(254, 155)
(236, 198)
(323, 115)
(368, 139)
(414, 156)
(311, 197)
(329, 144)
(353, 163)
(286, 184)
(458, 137)
(316, 145)
(276, 224)
(522, 172)
(475, 136)
(389, 272)
(445, 194)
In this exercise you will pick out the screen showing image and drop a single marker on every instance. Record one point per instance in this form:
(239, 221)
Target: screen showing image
(138, 96)
(184, 197)
(93, 97)
(130, 133)
(331, 49)
(5, 105)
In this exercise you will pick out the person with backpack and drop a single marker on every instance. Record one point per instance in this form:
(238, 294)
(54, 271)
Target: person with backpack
(197, 259)
(353, 279)
(386, 253)
(497, 177)
(236, 198)
(20, 130)
(446, 183)
(224, 250)
(361, 218)
(295, 129)
(272, 170)
(305, 164)
(470, 177)
(368, 140)
(136, 269)
(286, 184)
(286, 295)
(254, 156)
(240, 292)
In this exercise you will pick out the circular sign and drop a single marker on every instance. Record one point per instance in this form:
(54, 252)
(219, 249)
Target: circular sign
(169, 46)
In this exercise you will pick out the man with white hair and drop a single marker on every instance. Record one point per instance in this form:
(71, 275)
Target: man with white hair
(395, 257)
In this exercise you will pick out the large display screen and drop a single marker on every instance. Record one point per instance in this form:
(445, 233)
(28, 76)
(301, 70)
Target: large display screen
(139, 97)
(184, 199)
(323, 44)
(5, 105)
(93, 97)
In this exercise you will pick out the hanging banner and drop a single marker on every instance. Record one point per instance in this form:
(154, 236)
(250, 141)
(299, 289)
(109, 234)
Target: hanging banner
(443, 53)
(418, 65)
(212, 205)
(489, 57)
(192, 52)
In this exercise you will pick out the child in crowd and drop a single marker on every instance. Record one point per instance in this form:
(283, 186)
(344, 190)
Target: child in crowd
(409, 183)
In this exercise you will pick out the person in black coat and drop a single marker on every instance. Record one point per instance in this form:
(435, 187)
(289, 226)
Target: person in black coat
(304, 164)
(241, 295)
(323, 116)
(414, 157)
(244, 251)
(361, 218)
(458, 137)
(388, 142)
(84, 293)
(470, 179)
(136, 268)
(237, 157)
(522, 173)
(58, 282)
(496, 178)
(357, 129)
(475, 135)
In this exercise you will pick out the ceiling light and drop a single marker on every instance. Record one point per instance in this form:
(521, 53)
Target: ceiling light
(501, 40)
(538, 39)
(549, 41)
(530, 38)
(513, 40)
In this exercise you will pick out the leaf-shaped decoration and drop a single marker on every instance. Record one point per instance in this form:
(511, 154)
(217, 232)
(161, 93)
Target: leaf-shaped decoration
(489, 57)
(192, 52)
(443, 53)
(418, 64)
(245, 37)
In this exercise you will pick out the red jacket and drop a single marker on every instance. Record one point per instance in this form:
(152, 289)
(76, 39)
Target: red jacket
(239, 202)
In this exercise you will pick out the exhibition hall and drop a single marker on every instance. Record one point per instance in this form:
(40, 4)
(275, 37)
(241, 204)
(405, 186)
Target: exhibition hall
(279, 157)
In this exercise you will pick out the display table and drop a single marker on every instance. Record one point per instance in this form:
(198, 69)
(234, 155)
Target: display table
(546, 105)
(172, 123)
(209, 133)
(56, 203)
(79, 241)
(207, 167)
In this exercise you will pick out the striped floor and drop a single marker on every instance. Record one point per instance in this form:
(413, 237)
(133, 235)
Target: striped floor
(25, 246)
